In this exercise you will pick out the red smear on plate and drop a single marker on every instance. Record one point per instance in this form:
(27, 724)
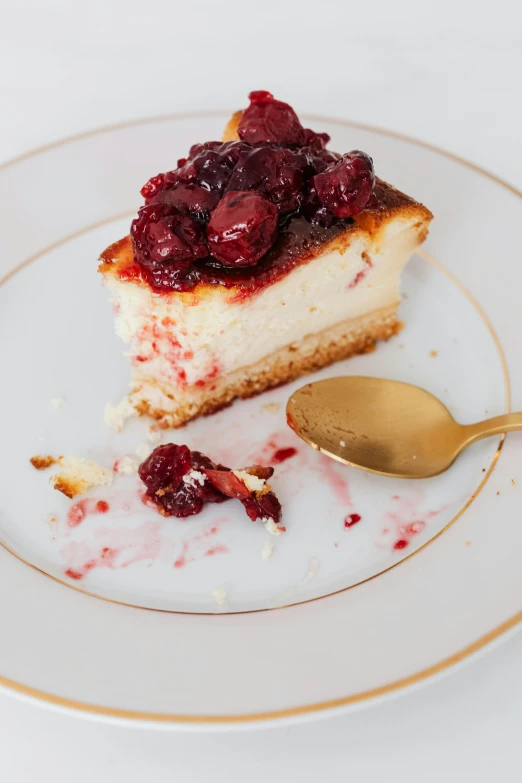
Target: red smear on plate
(78, 511)
(281, 455)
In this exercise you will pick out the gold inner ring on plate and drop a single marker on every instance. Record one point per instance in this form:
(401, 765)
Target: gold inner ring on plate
(373, 693)
(470, 500)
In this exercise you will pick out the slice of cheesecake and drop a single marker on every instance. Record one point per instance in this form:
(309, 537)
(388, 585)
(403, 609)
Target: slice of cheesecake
(254, 262)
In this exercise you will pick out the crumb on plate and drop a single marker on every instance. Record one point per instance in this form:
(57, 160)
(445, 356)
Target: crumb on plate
(251, 482)
(220, 596)
(41, 463)
(57, 402)
(272, 526)
(271, 407)
(126, 466)
(268, 548)
(116, 415)
(78, 475)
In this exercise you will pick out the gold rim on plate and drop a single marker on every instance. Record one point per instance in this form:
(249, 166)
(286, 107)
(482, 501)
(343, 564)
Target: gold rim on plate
(429, 259)
(373, 693)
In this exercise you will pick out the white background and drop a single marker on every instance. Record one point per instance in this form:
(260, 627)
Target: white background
(447, 72)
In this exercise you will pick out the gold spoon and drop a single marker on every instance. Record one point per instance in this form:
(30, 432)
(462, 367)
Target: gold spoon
(385, 427)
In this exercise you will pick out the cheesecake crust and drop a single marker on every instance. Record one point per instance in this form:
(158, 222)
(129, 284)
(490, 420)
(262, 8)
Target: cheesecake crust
(345, 339)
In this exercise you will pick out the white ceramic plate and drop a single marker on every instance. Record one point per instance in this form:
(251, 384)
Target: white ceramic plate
(343, 637)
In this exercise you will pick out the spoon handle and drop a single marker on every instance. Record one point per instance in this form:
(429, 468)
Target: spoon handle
(509, 422)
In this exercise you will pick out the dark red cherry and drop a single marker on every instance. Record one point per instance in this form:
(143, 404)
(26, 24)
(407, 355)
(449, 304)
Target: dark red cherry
(346, 185)
(269, 120)
(242, 228)
(276, 172)
(166, 242)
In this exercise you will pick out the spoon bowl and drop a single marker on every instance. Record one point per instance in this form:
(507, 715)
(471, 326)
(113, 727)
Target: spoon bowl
(385, 427)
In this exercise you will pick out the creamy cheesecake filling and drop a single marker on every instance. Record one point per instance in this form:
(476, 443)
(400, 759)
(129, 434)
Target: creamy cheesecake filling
(183, 346)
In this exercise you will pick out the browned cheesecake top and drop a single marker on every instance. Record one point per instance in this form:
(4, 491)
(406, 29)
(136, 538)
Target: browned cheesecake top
(298, 244)
(242, 213)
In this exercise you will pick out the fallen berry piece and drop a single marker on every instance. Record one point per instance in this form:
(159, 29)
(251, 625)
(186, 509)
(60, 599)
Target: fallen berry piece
(180, 481)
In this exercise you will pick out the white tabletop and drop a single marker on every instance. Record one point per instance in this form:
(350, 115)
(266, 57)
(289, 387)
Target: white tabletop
(449, 73)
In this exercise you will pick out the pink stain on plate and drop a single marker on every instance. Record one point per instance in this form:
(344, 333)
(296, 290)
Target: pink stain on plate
(276, 450)
(182, 560)
(196, 546)
(407, 520)
(338, 483)
(116, 548)
(78, 511)
(216, 550)
(352, 519)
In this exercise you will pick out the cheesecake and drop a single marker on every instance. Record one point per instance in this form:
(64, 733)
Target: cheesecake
(260, 258)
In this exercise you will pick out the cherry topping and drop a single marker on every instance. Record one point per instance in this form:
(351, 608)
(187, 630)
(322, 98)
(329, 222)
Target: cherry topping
(243, 213)
(166, 242)
(163, 472)
(269, 120)
(191, 199)
(258, 505)
(346, 185)
(180, 481)
(153, 187)
(265, 506)
(276, 172)
(242, 228)
(317, 141)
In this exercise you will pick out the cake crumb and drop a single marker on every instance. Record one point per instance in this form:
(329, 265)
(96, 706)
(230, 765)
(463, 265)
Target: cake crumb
(126, 466)
(143, 450)
(41, 463)
(513, 482)
(116, 415)
(268, 548)
(194, 477)
(498, 493)
(153, 435)
(220, 596)
(79, 475)
(468, 543)
(483, 470)
(311, 571)
(434, 353)
(251, 482)
(272, 527)
(57, 402)
(271, 407)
